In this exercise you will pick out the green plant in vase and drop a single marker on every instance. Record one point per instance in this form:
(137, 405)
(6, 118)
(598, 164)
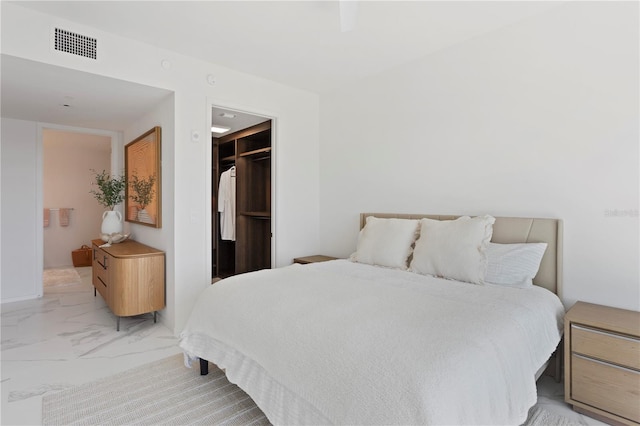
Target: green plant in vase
(110, 193)
(110, 190)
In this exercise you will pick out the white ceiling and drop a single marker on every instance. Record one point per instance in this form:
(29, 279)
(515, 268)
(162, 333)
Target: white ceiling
(50, 94)
(297, 43)
(234, 120)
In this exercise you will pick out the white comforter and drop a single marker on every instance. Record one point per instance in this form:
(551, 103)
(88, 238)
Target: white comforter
(345, 343)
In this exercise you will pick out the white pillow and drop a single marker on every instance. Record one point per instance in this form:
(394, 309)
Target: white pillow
(386, 242)
(453, 249)
(513, 265)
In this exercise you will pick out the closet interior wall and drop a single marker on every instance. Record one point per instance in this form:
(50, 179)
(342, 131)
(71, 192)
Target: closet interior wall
(249, 150)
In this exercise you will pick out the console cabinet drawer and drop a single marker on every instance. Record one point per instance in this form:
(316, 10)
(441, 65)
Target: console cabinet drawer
(100, 272)
(608, 387)
(600, 344)
(101, 285)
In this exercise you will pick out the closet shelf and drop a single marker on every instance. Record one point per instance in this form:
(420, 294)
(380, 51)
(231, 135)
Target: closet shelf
(256, 152)
(229, 159)
(257, 215)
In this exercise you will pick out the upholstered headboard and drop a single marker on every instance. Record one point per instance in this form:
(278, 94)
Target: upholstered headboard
(516, 230)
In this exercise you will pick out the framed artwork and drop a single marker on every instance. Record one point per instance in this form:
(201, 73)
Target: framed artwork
(142, 169)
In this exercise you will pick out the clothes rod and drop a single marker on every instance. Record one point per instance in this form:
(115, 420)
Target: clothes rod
(56, 209)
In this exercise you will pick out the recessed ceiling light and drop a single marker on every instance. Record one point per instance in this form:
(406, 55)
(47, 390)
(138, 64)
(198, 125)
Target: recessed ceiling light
(227, 115)
(219, 129)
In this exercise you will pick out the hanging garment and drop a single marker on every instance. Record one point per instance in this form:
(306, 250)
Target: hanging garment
(45, 217)
(63, 217)
(227, 204)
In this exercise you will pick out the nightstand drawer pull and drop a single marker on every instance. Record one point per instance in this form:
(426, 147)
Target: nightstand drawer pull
(597, 361)
(609, 347)
(606, 333)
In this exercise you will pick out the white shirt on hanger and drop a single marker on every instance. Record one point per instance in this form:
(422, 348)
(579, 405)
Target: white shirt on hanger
(227, 204)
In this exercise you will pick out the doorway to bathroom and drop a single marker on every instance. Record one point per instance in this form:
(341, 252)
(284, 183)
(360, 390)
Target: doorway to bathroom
(71, 215)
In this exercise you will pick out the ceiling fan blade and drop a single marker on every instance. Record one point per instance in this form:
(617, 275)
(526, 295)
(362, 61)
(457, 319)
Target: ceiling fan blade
(348, 15)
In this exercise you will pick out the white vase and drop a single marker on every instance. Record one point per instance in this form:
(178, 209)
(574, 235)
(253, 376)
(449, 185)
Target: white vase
(111, 222)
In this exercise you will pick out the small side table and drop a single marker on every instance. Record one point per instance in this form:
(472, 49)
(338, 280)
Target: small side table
(602, 362)
(313, 259)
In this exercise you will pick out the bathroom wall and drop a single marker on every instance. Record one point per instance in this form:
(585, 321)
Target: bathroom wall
(69, 162)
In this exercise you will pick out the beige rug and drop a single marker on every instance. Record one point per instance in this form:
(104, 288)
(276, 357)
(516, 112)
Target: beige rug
(162, 392)
(539, 416)
(59, 277)
(165, 392)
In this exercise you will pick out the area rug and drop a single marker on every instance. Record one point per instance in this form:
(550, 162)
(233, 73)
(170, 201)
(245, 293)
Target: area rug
(165, 392)
(539, 416)
(60, 277)
(162, 392)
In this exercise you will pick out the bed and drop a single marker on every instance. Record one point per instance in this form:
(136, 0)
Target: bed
(369, 341)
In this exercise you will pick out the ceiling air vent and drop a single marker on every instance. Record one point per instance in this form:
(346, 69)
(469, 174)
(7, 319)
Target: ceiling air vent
(76, 44)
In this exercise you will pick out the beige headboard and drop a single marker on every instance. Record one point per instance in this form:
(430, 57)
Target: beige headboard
(516, 230)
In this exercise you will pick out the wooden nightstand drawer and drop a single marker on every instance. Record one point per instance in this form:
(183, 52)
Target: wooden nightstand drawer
(606, 387)
(606, 346)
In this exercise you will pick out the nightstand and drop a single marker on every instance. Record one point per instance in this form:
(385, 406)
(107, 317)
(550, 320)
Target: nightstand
(313, 259)
(602, 362)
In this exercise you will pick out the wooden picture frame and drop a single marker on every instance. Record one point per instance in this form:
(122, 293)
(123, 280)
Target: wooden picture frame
(142, 169)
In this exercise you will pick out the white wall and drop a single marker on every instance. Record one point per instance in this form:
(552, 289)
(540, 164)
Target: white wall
(25, 34)
(21, 267)
(160, 238)
(69, 163)
(536, 119)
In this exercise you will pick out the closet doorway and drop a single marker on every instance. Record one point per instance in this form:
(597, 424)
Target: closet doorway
(242, 214)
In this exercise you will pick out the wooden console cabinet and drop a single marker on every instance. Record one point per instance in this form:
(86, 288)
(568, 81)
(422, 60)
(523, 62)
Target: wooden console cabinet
(130, 278)
(602, 362)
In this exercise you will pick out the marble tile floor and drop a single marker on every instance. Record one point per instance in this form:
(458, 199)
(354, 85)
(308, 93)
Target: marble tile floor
(68, 337)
